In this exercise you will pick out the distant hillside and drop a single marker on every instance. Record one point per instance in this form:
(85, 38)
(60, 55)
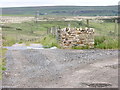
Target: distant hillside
(63, 10)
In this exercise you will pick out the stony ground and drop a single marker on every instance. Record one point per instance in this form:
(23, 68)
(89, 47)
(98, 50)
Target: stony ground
(55, 68)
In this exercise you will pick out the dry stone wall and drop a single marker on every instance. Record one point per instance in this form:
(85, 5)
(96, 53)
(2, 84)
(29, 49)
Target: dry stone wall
(70, 37)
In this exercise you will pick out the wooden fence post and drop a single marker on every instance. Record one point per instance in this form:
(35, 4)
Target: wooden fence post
(115, 25)
(51, 30)
(88, 22)
(47, 31)
(58, 35)
(54, 31)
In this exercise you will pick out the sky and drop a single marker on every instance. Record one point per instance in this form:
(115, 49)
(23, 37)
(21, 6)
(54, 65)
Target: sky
(21, 3)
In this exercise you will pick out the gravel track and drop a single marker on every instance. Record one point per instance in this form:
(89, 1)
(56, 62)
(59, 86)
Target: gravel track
(58, 68)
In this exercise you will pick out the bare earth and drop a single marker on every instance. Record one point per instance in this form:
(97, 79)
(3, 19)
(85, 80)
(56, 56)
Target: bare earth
(55, 68)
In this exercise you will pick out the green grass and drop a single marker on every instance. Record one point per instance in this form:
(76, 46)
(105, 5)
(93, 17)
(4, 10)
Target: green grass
(105, 33)
(2, 61)
(104, 42)
(30, 30)
(106, 36)
(48, 41)
(8, 41)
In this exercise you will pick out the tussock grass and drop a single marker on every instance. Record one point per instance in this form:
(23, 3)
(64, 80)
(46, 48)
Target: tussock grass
(105, 42)
(49, 41)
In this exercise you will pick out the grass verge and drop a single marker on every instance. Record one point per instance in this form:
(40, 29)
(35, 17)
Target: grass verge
(2, 60)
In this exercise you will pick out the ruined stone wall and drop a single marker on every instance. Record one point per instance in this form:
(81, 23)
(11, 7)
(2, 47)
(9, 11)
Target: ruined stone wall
(70, 37)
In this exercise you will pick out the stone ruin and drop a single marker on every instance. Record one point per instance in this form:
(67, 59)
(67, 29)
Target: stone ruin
(70, 37)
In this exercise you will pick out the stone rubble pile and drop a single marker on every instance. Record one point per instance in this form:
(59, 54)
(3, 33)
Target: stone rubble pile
(70, 37)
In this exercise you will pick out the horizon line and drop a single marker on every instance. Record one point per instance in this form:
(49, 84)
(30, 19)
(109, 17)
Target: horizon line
(56, 5)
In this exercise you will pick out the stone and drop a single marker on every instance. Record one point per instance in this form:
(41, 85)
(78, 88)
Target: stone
(77, 37)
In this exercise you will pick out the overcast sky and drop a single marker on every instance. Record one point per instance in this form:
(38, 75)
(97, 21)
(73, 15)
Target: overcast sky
(19, 3)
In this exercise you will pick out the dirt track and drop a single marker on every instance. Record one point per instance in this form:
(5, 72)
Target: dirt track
(47, 68)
